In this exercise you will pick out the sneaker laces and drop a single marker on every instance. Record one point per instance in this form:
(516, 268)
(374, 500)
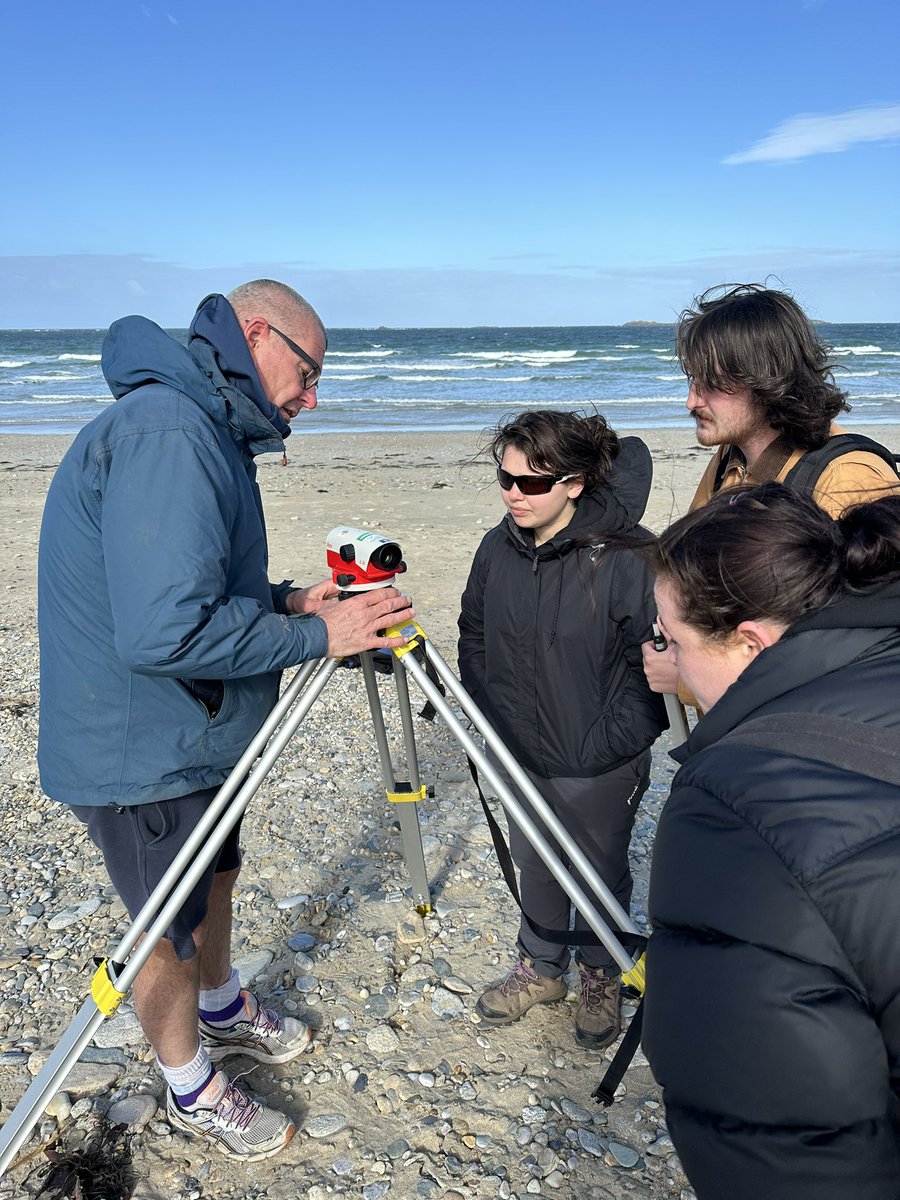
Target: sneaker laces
(594, 987)
(520, 978)
(236, 1108)
(266, 1021)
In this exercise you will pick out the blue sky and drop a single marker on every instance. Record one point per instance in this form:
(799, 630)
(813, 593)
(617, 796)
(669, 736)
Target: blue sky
(495, 163)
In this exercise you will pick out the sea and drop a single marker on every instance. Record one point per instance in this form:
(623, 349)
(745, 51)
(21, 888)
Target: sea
(385, 380)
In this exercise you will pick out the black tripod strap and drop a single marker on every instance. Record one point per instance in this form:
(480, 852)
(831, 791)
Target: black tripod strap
(428, 713)
(559, 937)
(605, 1091)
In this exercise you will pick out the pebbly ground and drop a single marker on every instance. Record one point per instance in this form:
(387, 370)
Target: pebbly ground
(405, 1093)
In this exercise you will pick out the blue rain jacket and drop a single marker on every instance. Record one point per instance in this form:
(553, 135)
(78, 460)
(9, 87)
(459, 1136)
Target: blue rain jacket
(162, 640)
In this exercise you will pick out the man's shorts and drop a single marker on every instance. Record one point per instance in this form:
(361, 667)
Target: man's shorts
(140, 842)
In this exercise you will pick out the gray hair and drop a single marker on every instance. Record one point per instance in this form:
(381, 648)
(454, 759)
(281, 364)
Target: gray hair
(270, 299)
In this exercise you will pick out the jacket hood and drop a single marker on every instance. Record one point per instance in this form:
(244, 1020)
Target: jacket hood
(216, 329)
(133, 343)
(137, 352)
(818, 643)
(617, 504)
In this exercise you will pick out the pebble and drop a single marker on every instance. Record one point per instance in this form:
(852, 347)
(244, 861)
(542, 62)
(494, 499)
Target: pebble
(250, 966)
(69, 916)
(375, 1191)
(302, 942)
(591, 1143)
(446, 1005)
(574, 1111)
(622, 1156)
(662, 1147)
(325, 1125)
(382, 1040)
(133, 1111)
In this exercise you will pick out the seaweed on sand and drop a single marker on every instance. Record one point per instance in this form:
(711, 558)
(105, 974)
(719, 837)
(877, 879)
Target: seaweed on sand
(99, 1169)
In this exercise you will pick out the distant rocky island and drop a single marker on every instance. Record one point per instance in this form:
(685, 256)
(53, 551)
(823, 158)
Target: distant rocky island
(627, 324)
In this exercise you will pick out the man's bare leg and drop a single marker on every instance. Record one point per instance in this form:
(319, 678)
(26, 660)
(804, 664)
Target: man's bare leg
(165, 1000)
(214, 940)
(166, 989)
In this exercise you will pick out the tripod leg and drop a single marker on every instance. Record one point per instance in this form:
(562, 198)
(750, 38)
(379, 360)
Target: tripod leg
(407, 809)
(549, 818)
(575, 893)
(116, 975)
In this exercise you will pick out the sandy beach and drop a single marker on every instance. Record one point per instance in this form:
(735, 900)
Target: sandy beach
(405, 1094)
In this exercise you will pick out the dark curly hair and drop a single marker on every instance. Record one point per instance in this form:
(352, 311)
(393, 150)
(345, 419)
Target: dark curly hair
(560, 443)
(750, 336)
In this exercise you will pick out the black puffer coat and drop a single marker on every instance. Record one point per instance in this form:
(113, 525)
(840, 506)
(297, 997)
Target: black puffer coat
(550, 641)
(773, 982)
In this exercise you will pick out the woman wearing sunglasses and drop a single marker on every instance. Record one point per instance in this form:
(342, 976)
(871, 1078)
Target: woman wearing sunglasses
(773, 974)
(550, 649)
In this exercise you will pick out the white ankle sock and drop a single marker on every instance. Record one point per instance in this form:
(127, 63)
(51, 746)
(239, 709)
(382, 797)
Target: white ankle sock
(223, 1005)
(188, 1081)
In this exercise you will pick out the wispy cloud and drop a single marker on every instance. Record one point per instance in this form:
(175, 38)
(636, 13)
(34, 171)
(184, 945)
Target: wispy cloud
(812, 133)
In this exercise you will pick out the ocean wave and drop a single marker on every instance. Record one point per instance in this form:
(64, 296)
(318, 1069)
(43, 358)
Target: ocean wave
(856, 350)
(414, 366)
(10, 363)
(57, 377)
(330, 354)
(66, 398)
(515, 355)
(670, 378)
(857, 374)
(627, 346)
(78, 358)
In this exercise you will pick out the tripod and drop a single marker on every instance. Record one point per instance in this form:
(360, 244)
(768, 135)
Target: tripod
(116, 974)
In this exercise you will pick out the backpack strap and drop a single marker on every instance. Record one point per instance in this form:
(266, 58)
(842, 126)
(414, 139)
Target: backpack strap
(804, 475)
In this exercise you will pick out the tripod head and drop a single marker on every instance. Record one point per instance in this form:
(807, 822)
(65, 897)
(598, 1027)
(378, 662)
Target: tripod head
(361, 560)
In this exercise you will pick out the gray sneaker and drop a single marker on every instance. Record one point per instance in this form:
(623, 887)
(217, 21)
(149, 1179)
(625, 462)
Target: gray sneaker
(597, 1021)
(261, 1034)
(236, 1125)
(522, 988)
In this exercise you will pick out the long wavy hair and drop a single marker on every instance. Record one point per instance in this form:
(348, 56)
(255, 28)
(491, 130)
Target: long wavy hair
(755, 337)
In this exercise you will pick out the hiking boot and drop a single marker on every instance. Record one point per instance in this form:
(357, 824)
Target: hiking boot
(597, 1021)
(522, 988)
(227, 1118)
(260, 1034)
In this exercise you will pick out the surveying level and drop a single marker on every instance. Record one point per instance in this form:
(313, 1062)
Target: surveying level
(116, 974)
(361, 560)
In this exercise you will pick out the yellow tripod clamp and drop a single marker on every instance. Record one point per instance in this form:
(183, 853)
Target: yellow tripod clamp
(106, 995)
(411, 630)
(636, 977)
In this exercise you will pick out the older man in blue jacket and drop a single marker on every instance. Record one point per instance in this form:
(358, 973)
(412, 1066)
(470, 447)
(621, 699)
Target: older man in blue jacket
(162, 642)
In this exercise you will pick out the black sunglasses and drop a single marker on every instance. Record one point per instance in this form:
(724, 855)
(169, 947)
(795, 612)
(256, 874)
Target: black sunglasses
(530, 485)
(312, 377)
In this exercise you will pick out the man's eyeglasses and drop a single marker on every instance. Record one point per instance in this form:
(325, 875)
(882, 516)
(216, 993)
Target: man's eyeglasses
(314, 374)
(530, 485)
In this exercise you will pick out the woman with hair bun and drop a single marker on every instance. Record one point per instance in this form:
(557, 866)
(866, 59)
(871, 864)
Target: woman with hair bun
(773, 974)
(550, 648)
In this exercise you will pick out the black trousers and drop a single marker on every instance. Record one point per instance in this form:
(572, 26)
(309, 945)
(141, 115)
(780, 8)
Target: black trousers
(598, 814)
